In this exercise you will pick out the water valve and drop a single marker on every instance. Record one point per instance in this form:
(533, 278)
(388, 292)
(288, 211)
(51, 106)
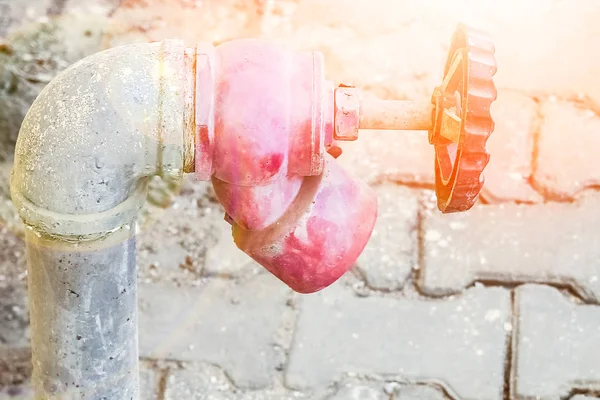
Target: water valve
(458, 118)
(277, 124)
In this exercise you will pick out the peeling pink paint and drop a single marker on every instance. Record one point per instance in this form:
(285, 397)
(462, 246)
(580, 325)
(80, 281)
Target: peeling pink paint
(293, 208)
(256, 207)
(320, 236)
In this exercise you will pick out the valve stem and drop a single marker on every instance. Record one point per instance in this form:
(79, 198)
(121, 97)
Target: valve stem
(354, 112)
(402, 115)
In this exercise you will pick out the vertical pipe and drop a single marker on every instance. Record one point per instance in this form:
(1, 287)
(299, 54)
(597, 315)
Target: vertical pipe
(83, 305)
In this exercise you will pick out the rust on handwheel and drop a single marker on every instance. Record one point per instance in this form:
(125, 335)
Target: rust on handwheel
(461, 119)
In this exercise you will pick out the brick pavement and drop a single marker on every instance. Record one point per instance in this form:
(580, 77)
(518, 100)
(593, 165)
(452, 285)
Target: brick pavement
(502, 302)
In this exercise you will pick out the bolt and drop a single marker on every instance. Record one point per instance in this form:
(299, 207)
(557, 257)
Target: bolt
(347, 113)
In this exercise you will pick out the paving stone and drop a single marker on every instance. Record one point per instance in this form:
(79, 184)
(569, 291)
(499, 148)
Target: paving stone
(567, 159)
(271, 395)
(360, 392)
(387, 391)
(208, 382)
(228, 324)
(556, 345)
(405, 157)
(149, 383)
(225, 258)
(508, 174)
(391, 253)
(459, 341)
(551, 243)
(419, 392)
(198, 382)
(98, 7)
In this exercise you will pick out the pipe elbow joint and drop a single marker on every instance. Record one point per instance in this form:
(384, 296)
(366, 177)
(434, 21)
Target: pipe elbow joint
(94, 135)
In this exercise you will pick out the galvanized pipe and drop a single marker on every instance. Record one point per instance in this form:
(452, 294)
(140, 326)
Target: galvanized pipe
(85, 152)
(83, 309)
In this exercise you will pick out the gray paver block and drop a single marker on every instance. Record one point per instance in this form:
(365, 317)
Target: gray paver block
(98, 7)
(567, 149)
(459, 342)
(556, 345)
(360, 392)
(406, 157)
(272, 395)
(419, 392)
(224, 258)
(387, 391)
(228, 324)
(198, 382)
(203, 382)
(391, 252)
(149, 382)
(509, 171)
(583, 397)
(550, 243)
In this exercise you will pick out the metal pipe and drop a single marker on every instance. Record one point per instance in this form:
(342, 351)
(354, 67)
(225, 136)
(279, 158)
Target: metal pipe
(395, 114)
(83, 310)
(83, 158)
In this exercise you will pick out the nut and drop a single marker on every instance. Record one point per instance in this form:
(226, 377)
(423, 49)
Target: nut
(347, 113)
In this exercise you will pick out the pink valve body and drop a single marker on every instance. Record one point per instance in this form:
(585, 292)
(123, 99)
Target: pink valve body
(262, 138)
(321, 234)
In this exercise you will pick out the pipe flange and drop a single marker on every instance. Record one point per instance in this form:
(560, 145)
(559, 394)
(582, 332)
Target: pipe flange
(81, 227)
(462, 122)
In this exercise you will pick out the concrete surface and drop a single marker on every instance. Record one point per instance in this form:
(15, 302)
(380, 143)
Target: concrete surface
(502, 302)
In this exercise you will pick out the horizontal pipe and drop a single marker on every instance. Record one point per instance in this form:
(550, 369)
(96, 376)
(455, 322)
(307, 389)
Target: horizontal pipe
(395, 115)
